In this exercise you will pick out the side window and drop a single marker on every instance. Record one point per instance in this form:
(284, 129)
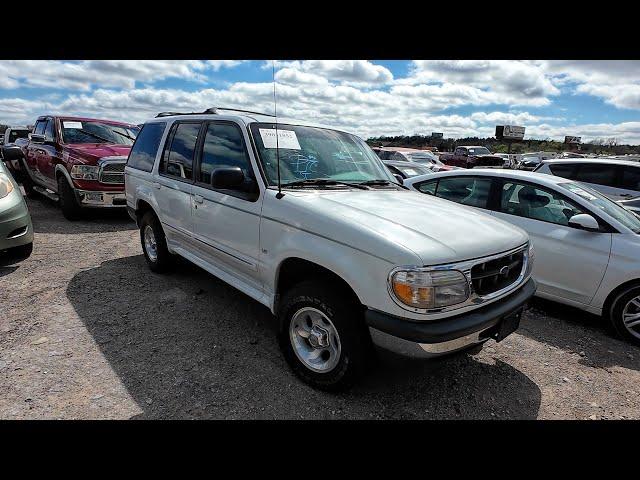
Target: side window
(428, 187)
(39, 129)
(564, 170)
(596, 173)
(631, 178)
(223, 147)
(472, 191)
(178, 157)
(143, 152)
(537, 203)
(49, 130)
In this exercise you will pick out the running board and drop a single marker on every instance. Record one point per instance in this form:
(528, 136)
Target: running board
(50, 194)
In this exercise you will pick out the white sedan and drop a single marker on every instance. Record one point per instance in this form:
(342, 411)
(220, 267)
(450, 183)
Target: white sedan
(587, 246)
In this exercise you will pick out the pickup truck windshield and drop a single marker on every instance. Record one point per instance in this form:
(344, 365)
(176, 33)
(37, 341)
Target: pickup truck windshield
(309, 153)
(479, 151)
(74, 131)
(611, 208)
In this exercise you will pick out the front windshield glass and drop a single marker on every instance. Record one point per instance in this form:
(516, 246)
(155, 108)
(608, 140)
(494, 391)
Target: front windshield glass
(479, 151)
(75, 131)
(611, 208)
(310, 153)
(16, 134)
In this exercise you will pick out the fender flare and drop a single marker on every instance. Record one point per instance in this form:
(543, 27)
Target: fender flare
(61, 168)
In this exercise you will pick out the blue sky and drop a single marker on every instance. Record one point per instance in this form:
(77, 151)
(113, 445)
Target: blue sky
(592, 99)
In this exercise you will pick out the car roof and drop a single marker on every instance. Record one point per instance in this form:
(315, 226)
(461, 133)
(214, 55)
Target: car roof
(610, 161)
(87, 119)
(541, 178)
(244, 118)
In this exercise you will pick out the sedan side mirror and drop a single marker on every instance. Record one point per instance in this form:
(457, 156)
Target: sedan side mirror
(36, 138)
(399, 178)
(12, 152)
(584, 221)
(227, 178)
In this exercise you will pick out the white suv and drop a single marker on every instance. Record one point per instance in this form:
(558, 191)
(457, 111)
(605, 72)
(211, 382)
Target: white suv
(341, 247)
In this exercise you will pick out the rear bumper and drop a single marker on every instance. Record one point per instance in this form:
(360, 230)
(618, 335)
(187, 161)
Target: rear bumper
(100, 199)
(456, 332)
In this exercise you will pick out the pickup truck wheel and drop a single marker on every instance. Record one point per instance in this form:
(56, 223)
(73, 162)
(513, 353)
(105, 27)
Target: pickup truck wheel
(154, 243)
(27, 183)
(67, 200)
(323, 337)
(625, 314)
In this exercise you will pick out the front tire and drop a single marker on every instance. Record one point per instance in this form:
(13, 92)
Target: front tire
(322, 336)
(16, 254)
(625, 315)
(154, 244)
(67, 200)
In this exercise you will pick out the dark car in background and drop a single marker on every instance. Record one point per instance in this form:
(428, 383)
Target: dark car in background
(471, 157)
(77, 161)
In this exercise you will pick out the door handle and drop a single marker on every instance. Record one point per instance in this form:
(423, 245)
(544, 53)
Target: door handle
(157, 185)
(198, 199)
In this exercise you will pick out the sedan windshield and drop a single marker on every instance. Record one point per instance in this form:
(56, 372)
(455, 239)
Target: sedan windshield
(74, 131)
(611, 208)
(310, 153)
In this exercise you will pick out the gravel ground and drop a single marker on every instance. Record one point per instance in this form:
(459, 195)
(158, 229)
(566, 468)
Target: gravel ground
(87, 331)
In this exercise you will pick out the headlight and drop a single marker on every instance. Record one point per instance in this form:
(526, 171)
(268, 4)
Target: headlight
(429, 289)
(85, 172)
(6, 187)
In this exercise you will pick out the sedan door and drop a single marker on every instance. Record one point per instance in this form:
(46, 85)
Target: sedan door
(569, 263)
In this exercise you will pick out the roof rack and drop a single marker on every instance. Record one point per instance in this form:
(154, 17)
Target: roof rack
(211, 111)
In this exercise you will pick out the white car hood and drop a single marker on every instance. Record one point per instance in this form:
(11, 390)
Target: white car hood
(436, 230)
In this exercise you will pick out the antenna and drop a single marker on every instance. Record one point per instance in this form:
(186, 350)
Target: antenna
(279, 195)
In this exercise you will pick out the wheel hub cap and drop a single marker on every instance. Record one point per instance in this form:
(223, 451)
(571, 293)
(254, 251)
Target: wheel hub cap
(150, 243)
(315, 340)
(631, 316)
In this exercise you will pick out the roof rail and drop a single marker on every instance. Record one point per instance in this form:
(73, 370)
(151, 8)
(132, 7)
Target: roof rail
(211, 111)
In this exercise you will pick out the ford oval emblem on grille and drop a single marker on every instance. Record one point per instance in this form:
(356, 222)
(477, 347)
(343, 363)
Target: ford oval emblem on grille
(504, 271)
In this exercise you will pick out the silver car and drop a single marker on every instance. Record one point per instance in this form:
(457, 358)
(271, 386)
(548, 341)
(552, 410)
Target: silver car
(16, 229)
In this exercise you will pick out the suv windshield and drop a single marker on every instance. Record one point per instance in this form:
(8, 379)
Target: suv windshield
(15, 134)
(309, 153)
(611, 208)
(75, 131)
(479, 151)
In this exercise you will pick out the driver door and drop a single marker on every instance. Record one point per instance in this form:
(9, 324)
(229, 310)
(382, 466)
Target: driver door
(569, 262)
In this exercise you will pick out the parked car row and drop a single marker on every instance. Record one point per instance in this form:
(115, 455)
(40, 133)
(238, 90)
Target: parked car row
(331, 235)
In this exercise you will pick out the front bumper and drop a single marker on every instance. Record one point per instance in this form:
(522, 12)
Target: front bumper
(453, 333)
(98, 199)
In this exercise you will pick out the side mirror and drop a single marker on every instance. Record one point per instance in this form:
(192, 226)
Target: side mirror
(399, 178)
(12, 152)
(228, 177)
(584, 221)
(36, 138)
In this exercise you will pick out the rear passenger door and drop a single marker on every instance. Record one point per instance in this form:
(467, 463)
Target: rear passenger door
(227, 221)
(175, 182)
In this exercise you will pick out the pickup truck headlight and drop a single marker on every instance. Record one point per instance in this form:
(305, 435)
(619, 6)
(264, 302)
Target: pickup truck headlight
(6, 187)
(426, 289)
(85, 172)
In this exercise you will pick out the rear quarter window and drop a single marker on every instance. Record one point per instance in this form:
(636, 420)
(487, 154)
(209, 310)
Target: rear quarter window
(143, 152)
(598, 173)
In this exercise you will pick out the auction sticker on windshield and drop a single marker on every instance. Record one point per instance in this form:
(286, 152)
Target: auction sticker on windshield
(286, 139)
(77, 125)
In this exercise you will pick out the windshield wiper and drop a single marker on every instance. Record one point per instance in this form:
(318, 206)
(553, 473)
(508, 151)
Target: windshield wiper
(124, 135)
(94, 135)
(379, 182)
(322, 181)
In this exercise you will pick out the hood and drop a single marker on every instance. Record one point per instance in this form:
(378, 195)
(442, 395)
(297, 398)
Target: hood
(95, 151)
(436, 230)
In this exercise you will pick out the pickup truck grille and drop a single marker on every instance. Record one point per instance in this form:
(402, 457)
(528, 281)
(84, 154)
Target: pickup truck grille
(494, 275)
(112, 172)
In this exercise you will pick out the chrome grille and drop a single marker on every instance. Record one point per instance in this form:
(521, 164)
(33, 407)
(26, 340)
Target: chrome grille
(496, 274)
(112, 172)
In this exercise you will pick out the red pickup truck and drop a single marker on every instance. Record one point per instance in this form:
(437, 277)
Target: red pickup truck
(77, 161)
(471, 157)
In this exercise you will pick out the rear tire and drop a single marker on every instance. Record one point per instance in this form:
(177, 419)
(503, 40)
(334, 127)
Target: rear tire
(323, 336)
(16, 254)
(625, 312)
(67, 200)
(154, 244)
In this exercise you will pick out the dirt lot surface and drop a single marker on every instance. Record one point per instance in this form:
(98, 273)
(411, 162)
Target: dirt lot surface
(87, 331)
